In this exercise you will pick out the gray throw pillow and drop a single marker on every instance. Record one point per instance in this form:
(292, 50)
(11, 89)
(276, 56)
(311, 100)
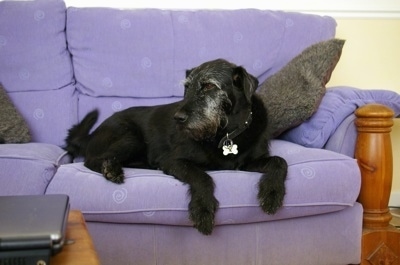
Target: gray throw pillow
(294, 93)
(13, 128)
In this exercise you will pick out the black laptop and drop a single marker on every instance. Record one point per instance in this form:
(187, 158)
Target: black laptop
(32, 228)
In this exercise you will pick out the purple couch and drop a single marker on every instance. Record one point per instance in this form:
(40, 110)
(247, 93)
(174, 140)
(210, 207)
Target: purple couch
(57, 64)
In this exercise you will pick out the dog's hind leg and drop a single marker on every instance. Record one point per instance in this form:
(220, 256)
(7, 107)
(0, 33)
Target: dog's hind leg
(203, 205)
(112, 170)
(271, 186)
(109, 167)
(119, 153)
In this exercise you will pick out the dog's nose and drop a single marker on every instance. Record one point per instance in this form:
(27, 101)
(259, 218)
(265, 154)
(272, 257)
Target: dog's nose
(180, 116)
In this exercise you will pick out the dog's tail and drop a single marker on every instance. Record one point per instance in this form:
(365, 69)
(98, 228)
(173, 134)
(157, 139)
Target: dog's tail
(78, 135)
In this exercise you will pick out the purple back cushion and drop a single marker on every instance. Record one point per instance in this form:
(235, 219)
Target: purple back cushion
(122, 58)
(36, 68)
(337, 104)
(33, 48)
(143, 54)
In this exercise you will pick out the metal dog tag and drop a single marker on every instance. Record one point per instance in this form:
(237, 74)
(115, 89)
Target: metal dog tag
(229, 148)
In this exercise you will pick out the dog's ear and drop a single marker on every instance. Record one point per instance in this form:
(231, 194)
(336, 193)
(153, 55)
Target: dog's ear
(188, 71)
(245, 81)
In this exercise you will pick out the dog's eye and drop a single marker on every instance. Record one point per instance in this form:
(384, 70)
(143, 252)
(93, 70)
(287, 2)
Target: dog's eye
(207, 86)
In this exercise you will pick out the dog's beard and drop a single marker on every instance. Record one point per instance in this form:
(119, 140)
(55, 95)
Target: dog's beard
(204, 129)
(205, 125)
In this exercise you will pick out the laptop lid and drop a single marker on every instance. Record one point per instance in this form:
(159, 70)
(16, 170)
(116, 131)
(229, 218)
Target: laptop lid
(33, 222)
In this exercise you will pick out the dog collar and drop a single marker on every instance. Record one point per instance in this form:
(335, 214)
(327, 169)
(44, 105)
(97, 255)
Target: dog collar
(228, 147)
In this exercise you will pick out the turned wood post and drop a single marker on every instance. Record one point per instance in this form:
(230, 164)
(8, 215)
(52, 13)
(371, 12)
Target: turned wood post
(374, 156)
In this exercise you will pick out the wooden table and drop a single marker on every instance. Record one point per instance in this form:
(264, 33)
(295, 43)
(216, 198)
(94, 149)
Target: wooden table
(79, 248)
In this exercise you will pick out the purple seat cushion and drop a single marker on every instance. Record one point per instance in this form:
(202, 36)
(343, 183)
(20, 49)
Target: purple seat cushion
(28, 168)
(319, 181)
(337, 104)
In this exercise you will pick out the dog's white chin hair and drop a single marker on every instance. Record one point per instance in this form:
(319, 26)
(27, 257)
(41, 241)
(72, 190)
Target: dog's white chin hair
(204, 131)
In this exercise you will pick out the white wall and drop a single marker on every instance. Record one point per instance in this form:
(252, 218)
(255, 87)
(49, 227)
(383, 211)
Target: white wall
(337, 8)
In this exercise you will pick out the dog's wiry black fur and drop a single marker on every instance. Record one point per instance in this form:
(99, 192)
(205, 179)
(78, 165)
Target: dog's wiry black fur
(182, 139)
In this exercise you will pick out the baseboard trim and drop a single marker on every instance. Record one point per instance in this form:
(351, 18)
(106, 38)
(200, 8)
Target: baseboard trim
(394, 199)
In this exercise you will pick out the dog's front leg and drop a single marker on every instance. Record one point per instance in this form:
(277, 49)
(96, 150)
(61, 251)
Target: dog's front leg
(203, 204)
(271, 187)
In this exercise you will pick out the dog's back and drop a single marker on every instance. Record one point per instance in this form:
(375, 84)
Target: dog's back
(78, 136)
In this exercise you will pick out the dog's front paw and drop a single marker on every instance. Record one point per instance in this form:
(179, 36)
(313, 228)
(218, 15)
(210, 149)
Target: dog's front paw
(202, 213)
(112, 171)
(271, 195)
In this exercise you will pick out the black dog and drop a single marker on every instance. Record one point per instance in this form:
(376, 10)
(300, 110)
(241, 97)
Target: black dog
(220, 124)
